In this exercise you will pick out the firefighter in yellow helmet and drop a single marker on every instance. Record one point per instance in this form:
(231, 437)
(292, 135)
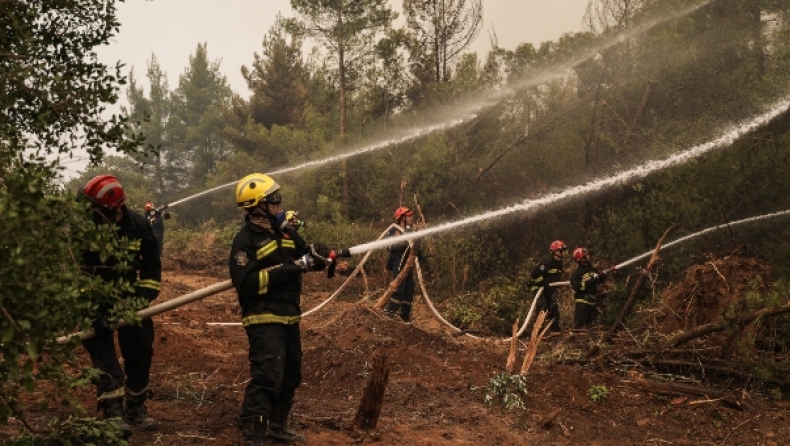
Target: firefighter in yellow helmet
(293, 219)
(267, 261)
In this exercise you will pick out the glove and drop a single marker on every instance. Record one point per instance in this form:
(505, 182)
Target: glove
(306, 262)
(102, 326)
(285, 273)
(317, 249)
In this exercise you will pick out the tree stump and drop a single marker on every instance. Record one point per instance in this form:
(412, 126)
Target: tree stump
(373, 396)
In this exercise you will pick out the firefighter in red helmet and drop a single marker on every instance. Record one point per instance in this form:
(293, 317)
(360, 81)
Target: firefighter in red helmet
(545, 273)
(584, 281)
(401, 301)
(130, 382)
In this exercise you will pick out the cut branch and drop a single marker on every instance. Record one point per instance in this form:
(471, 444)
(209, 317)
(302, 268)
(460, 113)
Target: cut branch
(629, 304)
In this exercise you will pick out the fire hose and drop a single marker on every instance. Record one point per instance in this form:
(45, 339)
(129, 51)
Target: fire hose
(379, 244)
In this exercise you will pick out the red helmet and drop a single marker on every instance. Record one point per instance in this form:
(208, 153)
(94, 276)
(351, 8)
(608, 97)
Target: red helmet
(579, 254)
(106, 191)
(401, 211)
(558, 245)
(149, 205)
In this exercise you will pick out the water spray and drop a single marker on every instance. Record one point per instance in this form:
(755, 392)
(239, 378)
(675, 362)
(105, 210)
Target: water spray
(592, 186)
(226, 285)
(697, 234)
(472, 107)
(469, 114)
(638, 172)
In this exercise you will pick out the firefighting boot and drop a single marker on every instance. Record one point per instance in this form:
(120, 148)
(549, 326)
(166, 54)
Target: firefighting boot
(136, 412)
(278, 425)
(111, 405)
(253, 431)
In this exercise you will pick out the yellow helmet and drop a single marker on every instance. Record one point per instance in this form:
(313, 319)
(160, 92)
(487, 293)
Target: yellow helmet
(256, 187)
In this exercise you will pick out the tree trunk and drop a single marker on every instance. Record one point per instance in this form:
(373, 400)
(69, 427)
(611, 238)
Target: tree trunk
(342, 69)
(373, 396)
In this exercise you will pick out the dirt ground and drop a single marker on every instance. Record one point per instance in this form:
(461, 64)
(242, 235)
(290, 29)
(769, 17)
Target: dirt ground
(200, 372)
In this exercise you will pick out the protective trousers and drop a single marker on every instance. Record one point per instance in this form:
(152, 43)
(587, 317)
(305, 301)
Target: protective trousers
(548, 302)
(275, 368)
(137, 348)
(585, 312)
(402, 299)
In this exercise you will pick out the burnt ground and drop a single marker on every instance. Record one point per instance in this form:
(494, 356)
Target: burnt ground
(200, 371)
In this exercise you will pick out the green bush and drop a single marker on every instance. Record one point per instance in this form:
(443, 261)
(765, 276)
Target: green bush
(599, 393)
(505, 390)
(76, 432)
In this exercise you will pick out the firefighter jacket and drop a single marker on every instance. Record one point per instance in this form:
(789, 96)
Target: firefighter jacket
(145, 271)
(584, 281)
(264, 273)
(546, 272)
(399, 252)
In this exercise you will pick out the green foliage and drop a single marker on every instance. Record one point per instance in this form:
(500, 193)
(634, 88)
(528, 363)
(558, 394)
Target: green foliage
(504, 390)
(598, 393)
(76, 432)
(51, 104)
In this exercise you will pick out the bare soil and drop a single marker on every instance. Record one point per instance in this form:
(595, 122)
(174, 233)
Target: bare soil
(200, 372)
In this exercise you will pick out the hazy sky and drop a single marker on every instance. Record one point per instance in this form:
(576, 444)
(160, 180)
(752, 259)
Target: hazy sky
(234, 30)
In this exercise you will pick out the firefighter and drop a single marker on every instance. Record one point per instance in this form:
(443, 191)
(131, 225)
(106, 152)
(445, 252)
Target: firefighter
(584, 281)
(401, 301)
(266, 265)
(156, 217)
(107, 198)
(545, 273)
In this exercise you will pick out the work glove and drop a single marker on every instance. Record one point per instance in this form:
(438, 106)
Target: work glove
(285, 273)
(317, 249)
(101, 326)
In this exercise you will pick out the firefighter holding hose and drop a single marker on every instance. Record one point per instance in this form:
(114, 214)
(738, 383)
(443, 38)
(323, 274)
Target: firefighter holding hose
(267, 261)
(584, 281)
(545, 273)
(108, 198)
(402, 299)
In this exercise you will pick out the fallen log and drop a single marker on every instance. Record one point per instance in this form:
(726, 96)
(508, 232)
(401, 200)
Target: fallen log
(730, 399)
(721, 325)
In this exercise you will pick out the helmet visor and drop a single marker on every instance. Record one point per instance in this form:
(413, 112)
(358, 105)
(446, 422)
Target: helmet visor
(273, 198)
